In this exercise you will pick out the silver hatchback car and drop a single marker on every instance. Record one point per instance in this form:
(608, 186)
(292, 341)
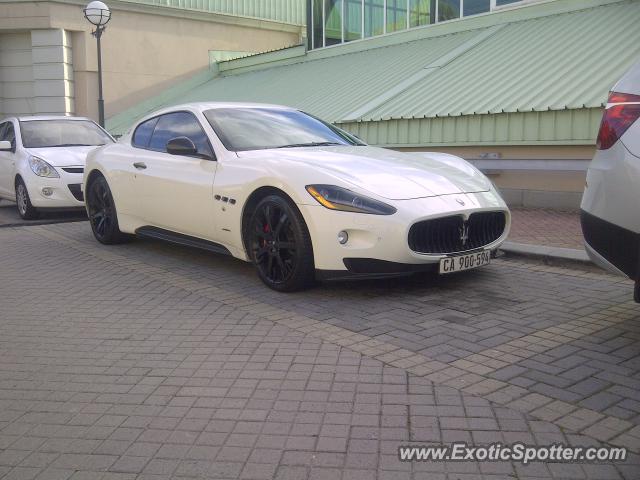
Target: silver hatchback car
(611, 203)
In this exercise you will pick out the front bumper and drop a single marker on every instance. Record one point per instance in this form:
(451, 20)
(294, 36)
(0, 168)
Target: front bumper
(65, 191)
(382, 240)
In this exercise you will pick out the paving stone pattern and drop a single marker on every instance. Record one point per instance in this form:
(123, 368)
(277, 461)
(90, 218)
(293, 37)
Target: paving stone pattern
(546, 226)
(149, 360)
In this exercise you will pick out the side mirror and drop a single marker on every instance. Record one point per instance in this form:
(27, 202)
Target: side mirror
(5, 146)
(181, 146)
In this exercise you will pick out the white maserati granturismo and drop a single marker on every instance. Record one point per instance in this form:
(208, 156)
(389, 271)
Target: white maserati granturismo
(298, 197)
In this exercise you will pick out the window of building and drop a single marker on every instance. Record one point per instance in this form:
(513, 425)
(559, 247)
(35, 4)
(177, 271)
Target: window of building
(373, 17)
(474, 7)
(317, 14)
(448, 10)
(333, 22)
(352, 13)
(338, 21)
(420, 12)
(396, 15)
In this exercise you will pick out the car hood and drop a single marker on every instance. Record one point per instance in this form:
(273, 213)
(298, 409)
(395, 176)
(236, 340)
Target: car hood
(62, 156)
(388, 173)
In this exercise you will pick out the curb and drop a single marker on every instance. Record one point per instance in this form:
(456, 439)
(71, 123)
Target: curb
(37, 223)
(547, 253)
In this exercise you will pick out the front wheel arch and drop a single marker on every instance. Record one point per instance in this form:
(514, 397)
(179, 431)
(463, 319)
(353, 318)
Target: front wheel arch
(18, 178)
(30, 212)
(249, 206)
(279, 244)
(93, 175)
(104, 209)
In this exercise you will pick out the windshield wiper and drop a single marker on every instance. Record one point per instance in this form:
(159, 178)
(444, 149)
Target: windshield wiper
(310, 144)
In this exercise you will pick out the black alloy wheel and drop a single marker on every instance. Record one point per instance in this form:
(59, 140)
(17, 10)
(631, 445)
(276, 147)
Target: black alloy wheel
(280, 245)
(102, 213)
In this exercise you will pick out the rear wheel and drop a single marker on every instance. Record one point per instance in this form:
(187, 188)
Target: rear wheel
(280, 245)
(25, 209)
(102, 213)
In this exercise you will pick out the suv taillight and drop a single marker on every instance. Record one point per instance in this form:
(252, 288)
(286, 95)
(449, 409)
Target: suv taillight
(617, 118)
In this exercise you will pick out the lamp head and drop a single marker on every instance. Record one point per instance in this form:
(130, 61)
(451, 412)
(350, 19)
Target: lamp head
(97, 13)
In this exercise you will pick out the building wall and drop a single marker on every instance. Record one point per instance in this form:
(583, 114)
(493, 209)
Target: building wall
(145, 50)
(16, 73)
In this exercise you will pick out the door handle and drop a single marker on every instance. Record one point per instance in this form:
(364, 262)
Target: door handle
(140, 165)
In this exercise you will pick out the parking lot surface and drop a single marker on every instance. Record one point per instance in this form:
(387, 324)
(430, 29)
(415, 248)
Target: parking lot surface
(546, 226)
(151, 360)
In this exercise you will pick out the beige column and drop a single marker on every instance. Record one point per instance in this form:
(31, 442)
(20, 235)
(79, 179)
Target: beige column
(16, 74)
(52, 72)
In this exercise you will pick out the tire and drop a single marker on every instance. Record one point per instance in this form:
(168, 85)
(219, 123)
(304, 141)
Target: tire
(23, 202)
(102, 213)
(279, 245)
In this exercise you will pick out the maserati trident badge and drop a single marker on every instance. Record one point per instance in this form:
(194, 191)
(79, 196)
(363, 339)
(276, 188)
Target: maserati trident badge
(464, 233)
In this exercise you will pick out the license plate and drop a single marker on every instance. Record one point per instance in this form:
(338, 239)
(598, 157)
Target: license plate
(465, 262)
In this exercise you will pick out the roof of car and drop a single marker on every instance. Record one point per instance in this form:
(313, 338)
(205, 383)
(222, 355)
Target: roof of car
(211, 106)
(30, 118)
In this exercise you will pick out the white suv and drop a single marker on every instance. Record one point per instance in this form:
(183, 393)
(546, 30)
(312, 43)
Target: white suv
(42, 161)
(611, 203)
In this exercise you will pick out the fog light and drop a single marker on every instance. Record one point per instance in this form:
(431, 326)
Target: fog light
(343, 237)
(47, 192)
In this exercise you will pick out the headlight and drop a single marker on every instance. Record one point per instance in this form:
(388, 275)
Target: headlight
(338, 198)
(42, 168)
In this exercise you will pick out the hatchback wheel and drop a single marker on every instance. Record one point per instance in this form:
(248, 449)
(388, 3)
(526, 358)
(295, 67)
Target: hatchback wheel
(25, 209)
(280, 245)
(102, 213)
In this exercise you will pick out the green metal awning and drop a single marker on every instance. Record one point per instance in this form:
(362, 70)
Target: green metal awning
(528, 65)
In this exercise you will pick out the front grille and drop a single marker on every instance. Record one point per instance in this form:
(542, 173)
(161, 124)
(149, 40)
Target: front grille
(73, 169)
(76, 192)
(447, 234)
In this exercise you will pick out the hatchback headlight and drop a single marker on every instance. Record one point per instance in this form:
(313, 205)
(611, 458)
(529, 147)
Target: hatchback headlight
(42, 168)
(338, 198)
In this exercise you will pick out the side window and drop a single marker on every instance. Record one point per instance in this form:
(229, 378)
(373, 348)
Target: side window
(142, 135)
(2, 127)
(180, 124)
(9, 134)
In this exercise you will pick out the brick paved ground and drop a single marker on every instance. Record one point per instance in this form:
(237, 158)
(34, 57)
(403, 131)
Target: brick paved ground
(544, 226)
(154, 361)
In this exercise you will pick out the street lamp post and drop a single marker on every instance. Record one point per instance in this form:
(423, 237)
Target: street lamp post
(99, 15)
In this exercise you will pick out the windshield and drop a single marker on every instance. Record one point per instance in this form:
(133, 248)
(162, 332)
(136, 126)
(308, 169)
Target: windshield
(61, 133)
(241, 129)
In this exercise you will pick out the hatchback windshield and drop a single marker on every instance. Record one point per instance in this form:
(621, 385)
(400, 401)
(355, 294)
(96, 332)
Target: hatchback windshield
(242, 129)
(61, 133)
